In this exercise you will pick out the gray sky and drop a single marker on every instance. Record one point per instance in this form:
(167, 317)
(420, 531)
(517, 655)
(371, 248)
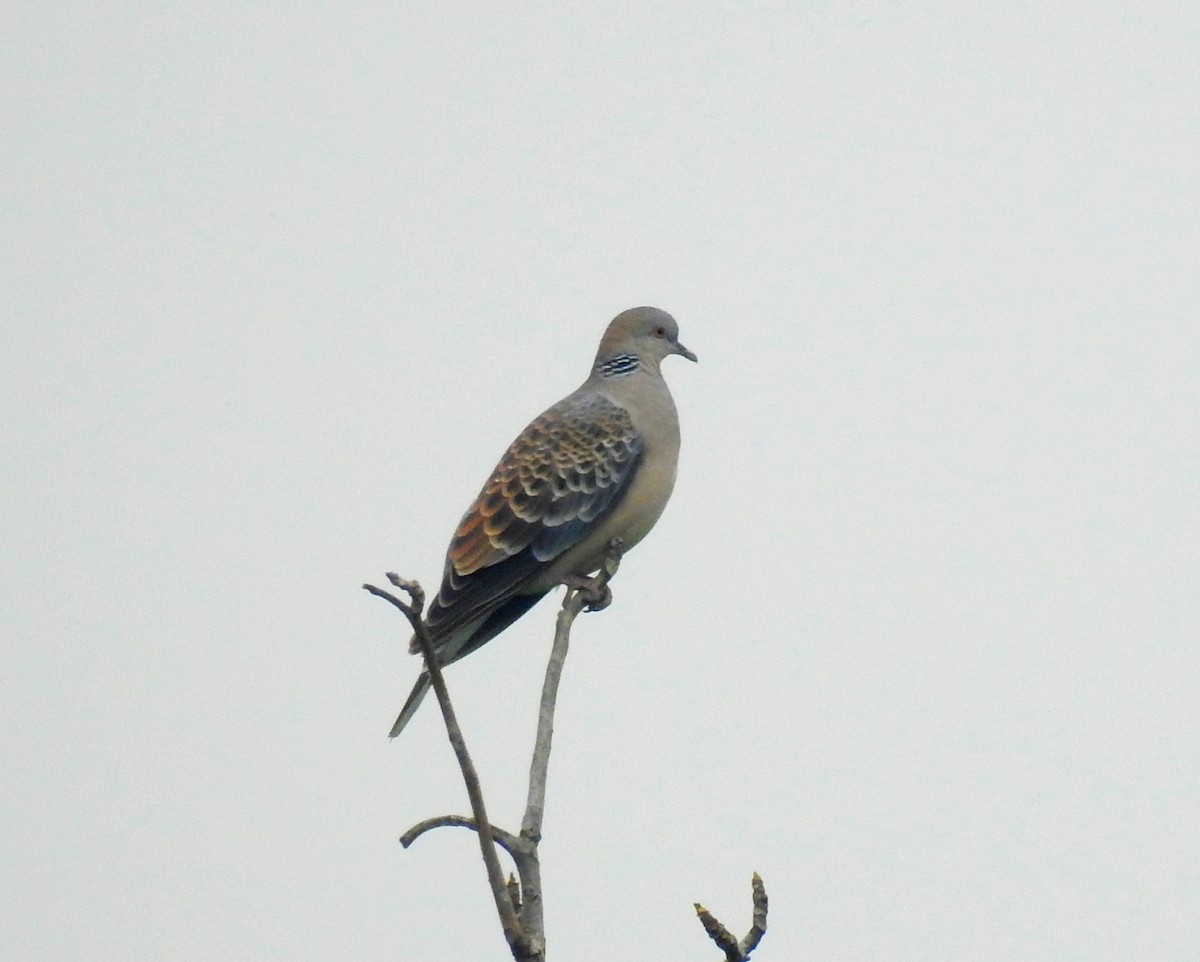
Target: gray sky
(916, 638)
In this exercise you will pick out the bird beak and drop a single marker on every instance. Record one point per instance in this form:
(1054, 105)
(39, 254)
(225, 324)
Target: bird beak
(683, 351)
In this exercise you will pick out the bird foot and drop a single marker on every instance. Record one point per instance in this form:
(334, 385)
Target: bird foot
(597, 596)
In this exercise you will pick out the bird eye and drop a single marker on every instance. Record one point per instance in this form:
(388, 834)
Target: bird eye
(660, 332)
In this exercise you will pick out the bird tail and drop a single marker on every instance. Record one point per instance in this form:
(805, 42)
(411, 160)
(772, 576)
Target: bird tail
(415, 697)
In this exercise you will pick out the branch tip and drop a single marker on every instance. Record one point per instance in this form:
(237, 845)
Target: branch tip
(734, 950)
(519, 942)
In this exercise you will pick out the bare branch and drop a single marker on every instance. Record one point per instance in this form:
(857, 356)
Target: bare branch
(719, 934)
(593, 594)
(759, 927)
(519, 904)
(734, 950)
(523, 948)
(506, 840)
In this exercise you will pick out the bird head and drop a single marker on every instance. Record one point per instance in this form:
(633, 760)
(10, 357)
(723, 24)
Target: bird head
(646, 332)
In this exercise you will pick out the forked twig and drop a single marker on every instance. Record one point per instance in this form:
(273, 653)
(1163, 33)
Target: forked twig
(519, 903)
(738, 951)
(514, 933)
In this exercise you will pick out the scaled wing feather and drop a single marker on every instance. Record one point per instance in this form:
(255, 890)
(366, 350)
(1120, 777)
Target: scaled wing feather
(565, 471)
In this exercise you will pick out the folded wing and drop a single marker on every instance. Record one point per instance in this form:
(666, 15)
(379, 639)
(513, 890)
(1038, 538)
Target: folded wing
(565, 472)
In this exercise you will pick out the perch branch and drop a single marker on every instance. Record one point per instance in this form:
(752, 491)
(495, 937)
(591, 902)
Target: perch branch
(519, 905)
(593, 594)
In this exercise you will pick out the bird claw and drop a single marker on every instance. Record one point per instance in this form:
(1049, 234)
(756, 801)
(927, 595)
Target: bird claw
(596, 596)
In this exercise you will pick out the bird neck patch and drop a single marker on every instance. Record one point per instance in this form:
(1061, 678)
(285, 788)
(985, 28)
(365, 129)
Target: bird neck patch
(619, 365)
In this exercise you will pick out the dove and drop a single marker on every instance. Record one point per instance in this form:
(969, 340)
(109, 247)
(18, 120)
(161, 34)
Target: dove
(597, 466)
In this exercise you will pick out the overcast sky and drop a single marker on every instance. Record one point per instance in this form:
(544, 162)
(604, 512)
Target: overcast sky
(916, 638)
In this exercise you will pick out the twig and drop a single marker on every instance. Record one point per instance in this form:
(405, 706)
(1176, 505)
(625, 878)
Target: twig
(734, 950)
(506, 840)
(593, 594)
(758, 927)
(521, 946)
(520, 905)
(719, 934)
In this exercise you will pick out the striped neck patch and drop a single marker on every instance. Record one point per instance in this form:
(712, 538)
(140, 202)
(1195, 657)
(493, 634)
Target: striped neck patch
(619, 365)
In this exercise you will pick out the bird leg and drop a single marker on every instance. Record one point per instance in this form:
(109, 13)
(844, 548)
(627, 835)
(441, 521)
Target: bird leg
(595, 590)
